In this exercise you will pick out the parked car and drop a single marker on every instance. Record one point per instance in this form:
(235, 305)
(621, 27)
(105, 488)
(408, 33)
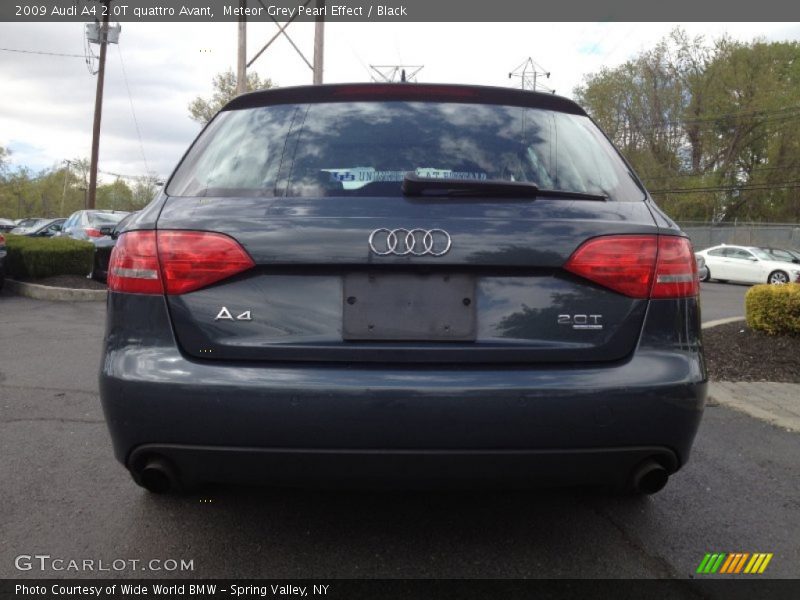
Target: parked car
(26, 223)
(406, 283)
(41, 228)
(783, 254)
(2, 260)
(87, 224)
(103, 247)
(702, 270)
(6, 225)
(746, 264)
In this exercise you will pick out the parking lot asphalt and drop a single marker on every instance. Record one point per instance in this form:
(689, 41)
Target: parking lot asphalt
(64, 495)
(721, 300)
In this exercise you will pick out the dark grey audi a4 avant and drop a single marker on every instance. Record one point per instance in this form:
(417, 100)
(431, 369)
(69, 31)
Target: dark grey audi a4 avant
(403, 285)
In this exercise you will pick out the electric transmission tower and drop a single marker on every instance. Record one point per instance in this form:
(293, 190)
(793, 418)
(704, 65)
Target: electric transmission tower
(529, 73)
(394, 73)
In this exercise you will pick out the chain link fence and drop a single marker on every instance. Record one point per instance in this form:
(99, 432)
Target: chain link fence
(779, 235)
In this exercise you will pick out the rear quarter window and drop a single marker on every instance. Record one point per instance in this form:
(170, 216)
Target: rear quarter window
(106, 218)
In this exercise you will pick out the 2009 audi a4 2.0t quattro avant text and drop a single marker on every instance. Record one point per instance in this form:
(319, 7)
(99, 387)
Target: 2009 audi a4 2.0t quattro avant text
(403, 285)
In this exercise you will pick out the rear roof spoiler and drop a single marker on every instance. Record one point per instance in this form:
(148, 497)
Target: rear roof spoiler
(409, 92)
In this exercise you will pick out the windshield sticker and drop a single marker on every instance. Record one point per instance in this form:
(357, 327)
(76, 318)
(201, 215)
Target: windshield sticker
(354, 178)
(450, 174)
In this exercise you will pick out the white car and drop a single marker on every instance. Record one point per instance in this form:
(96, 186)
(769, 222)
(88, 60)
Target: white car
(746, 264)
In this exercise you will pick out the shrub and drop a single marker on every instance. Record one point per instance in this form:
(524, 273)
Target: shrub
(774, 309)
(44, 257)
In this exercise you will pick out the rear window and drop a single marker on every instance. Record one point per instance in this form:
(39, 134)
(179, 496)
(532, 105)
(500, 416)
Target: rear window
(27, 223)
(762, 254)
(778, 254)
(366, 148)
(106, 218)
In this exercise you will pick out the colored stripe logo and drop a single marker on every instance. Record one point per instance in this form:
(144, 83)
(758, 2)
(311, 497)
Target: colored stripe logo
(734, 563)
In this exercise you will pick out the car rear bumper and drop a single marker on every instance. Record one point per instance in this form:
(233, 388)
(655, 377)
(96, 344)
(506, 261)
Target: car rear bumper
(392, 468)
(282, 422)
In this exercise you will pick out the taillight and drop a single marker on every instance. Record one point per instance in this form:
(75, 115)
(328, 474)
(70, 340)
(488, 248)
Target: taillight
(92, 232)
(133, 266)
(622, 263)
(676, 271)
(639, 266)
(191, 260)
(2, 239)
(175, 262)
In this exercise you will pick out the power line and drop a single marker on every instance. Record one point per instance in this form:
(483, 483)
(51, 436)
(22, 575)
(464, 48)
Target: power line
(133, 112)
(124, 176)
(725, 117)
(732, 188)
(756, 170)
(783, 114)
(358, 58)
(678, 129)
(42, 52)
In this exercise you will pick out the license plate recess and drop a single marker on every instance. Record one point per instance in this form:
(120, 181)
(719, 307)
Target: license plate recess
(430, 307)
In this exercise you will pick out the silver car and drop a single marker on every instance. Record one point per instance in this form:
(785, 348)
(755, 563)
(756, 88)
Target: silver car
(88, 224)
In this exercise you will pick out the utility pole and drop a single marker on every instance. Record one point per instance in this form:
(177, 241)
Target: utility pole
(68, 163)
(241, 64)
(98, 108)
(319, 42)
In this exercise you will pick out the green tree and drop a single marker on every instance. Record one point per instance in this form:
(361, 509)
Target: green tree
(203, 110)
(18, 194)
(61, 190)
(114, 196)
(144, 190)
(712, 128)
(755, 95)
(4, 156)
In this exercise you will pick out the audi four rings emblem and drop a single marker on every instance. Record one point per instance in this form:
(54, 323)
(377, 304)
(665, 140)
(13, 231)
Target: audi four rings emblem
(413, 242)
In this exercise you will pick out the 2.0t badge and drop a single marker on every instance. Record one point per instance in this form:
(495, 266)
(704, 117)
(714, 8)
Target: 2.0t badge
(581, 321)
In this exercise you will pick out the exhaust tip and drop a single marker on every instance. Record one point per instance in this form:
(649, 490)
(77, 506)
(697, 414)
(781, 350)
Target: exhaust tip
(649, 477)
(158, 476)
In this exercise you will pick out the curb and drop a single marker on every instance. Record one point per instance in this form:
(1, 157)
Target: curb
(45, 292)
(717, 322)
(773, 412)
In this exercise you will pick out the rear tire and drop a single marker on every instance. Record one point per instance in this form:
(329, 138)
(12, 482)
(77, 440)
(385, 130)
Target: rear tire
(778, 278)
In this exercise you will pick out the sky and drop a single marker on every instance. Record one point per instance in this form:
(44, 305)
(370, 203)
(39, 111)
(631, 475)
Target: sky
(47, 102)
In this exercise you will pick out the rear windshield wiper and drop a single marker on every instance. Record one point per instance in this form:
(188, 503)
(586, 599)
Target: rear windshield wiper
(414, 185)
